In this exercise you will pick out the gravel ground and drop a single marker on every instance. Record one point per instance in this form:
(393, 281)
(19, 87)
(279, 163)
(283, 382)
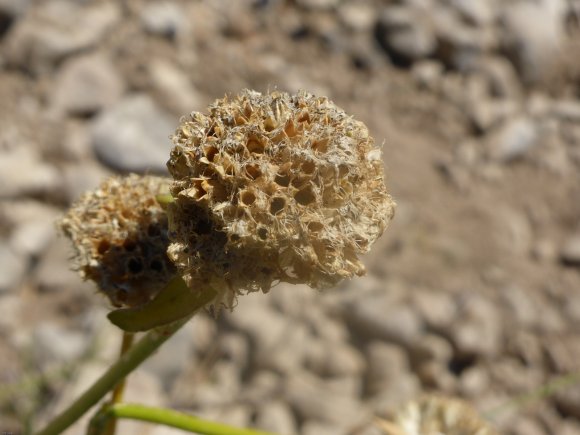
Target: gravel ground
(474, 291)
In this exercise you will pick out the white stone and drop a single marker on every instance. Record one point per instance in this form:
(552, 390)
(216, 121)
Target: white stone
(133, 136)
(87, 84)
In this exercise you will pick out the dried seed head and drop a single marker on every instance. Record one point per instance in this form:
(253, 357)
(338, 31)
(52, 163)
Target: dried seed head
(119, 233)
(274, 187)
(436, 415)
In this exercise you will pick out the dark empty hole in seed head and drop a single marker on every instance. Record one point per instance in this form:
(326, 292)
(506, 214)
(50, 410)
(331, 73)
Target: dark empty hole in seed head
(315, 226)
(156, 265)
(304, 196)
(320, 145)
(255, 146)
(202, 226)
(153, 230)
(277, 205)
(298, 182)
(262, 233)
(103, 247)
(126, 213)
(253, 171)
(282, 180)
(210, 152)
(135, 266)
(308, 167)
(247, 198)
(129, 245)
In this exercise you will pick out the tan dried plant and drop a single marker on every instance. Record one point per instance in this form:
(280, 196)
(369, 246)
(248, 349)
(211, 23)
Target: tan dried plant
(119, 233)
(436, 415)
(274, 187)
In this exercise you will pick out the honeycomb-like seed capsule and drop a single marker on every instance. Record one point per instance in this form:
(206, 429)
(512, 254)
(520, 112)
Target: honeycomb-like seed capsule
(119, 233)
(274, 187)
(433, 414)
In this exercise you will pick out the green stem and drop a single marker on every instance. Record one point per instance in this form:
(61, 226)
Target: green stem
(171, 418)
(125, 365)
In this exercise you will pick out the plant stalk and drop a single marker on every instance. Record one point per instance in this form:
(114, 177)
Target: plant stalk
(172, 418)
(117, 372)
(117, 396)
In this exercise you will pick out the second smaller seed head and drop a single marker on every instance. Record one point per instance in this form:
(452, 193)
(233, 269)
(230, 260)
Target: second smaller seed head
(119, 232)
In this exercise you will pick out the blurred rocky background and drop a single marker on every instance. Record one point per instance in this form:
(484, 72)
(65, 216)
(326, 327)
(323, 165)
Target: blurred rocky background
(474, 291)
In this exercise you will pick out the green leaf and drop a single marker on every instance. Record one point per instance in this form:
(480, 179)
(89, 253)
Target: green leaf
(174, 302)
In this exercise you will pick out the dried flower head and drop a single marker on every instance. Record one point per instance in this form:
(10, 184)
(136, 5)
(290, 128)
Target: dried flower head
(119, 233)
(274, 187)
(435, 415)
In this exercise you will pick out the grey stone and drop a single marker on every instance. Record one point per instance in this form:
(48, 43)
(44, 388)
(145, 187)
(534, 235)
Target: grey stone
(389, 381)
(515, 377)
(487, 114)
(521, 306)
(474, 381)
(238, 415)
(427, 73)
(214, 391)
(459, 46)
(318, 428)
(279, 343)
(58, 29)
(11, 319)
(235, 347)
(263, 387)
(164, 18)
(13, 8)
(566, 110)
(533, 36)
(376, 317)
(311, 399)
(86, 85)
(437, 309)
(527, 346)
(323, 326)
(23, 173)
(13, 267)
(478, 330)
(276, 417)
(386, 363)
(570, 251)
(397, 393)
(54, 271)
(133, 136)
(79, 179)
(32, 237)
(480, 13)
(406, 32)
(512, 140)
(173, 87)
(318, 4)
(562, 352)
(432, 347)
(526, 426)
(177, 353)
(204, 333)
(435, 375)
(56, 344)
(357, 16)
(328, 359)
(501, 77)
